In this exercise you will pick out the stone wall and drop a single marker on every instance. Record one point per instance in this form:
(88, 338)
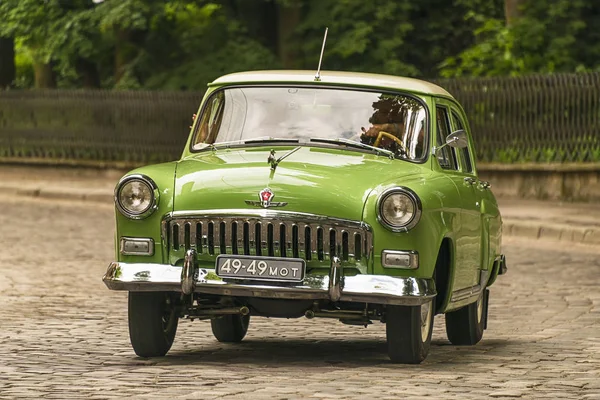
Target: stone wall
(559, 182)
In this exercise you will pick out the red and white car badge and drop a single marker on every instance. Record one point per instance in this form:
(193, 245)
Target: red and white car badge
(265, 196)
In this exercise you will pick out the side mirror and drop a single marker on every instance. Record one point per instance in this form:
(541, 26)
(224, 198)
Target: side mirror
(457, 139)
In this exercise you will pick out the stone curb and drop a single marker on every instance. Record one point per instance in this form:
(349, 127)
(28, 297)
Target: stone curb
(511, 227)
(58, 194)
(556, 232)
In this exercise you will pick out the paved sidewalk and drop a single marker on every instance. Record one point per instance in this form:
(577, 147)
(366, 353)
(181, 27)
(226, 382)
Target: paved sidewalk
(569, 222)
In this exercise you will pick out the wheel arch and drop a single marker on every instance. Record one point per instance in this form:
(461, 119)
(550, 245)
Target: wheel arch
(444, 273)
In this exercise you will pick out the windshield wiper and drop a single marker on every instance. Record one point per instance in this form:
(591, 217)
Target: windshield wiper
(235, 143)
(352, 143)
(262, 139)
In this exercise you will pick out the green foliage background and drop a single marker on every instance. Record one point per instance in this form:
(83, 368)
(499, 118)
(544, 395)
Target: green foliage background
(183, 44)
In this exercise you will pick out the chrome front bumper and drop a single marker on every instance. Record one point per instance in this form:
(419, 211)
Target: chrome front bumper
(376, 289)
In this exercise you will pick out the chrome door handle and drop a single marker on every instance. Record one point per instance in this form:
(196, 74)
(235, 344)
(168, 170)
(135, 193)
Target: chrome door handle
(469, 181)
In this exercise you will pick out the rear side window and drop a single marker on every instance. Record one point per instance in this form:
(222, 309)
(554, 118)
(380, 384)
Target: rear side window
(465, 153)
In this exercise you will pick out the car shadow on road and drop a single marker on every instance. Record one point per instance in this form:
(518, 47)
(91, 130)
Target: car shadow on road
(278, 352)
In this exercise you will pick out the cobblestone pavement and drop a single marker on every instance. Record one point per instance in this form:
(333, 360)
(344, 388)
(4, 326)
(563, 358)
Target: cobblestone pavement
(64, 335)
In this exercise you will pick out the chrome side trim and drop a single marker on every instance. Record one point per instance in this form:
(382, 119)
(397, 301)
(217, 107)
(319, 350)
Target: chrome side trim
(473, 292)
(376, 289)
(466, 293)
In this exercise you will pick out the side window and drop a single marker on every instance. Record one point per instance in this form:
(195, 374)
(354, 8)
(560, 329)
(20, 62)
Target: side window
(466, 154)
(447, 155)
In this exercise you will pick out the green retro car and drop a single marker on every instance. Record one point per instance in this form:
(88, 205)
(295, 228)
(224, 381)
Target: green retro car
(348, 196)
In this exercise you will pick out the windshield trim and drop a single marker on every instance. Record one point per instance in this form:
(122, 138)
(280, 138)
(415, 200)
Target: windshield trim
(428, 134)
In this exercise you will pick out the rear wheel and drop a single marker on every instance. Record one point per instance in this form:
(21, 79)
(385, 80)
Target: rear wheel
(230, 328)
(466, 326)
(152, 323)
(408, 332)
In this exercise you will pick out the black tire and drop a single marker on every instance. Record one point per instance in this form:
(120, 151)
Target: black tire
(230, 328)
(465, 327)
(152, 323)
(408, 336)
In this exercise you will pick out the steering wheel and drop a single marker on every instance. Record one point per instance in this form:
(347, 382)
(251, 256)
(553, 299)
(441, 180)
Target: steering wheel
(390, 136)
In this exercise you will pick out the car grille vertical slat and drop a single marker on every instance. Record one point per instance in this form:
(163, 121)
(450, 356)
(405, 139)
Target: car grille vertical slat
(258, 238)
(175, 236)
(211, 238)
(271, 240)
(223, 245)
(308, 242)
(264, 238)
(239, 237)
(319, 243)
(282, 240)
(314, 248)
(296, 244)
(270, 236)
(246, 233)
(345, 245)
(187, 243)
(199, 237)
(357, 245)
(332, 242)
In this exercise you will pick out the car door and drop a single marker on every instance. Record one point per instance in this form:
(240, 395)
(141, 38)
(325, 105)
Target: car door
(490, 216)
(468, 239)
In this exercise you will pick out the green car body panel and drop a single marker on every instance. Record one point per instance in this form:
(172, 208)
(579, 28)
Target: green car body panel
(338, 183)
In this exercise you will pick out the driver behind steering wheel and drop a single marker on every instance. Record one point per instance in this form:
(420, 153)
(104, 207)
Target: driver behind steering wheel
(388, 119)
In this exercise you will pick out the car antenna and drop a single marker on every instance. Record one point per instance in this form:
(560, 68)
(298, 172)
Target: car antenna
(318, 74)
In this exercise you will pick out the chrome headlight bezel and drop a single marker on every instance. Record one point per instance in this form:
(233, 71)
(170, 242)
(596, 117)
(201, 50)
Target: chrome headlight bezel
(412, 196)
(153, 203)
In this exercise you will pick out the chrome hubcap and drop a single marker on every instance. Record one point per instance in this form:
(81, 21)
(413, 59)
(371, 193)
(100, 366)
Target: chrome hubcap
(426, 310)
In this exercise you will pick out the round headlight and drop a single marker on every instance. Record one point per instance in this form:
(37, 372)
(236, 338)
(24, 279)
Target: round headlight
(398, 209)
(136, 196)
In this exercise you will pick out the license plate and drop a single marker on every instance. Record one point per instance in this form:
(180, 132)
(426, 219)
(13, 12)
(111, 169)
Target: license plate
(261, 268)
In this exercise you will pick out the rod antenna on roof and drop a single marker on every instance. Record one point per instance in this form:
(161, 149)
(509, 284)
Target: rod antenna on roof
(318, 74)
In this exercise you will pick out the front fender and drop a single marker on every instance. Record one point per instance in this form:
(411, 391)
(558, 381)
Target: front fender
(439, 219)
(164, 176)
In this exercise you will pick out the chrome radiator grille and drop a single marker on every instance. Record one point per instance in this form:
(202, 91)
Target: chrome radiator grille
(272, 234)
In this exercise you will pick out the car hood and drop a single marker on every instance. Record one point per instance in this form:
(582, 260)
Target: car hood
(312, 180)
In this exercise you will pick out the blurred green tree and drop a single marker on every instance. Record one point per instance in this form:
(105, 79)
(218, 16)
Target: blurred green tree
(542, 36)
(30, 22)
(183, 44)
(7, 62)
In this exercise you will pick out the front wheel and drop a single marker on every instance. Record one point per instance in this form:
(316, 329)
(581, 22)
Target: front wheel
(152, 323)
(408, 332)
(230, 328)
(466, 326)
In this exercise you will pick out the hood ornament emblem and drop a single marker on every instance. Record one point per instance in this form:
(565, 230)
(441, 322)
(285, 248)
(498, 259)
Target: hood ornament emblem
(265, 196)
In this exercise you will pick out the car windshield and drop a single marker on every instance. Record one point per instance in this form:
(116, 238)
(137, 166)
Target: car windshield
(234, 116)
